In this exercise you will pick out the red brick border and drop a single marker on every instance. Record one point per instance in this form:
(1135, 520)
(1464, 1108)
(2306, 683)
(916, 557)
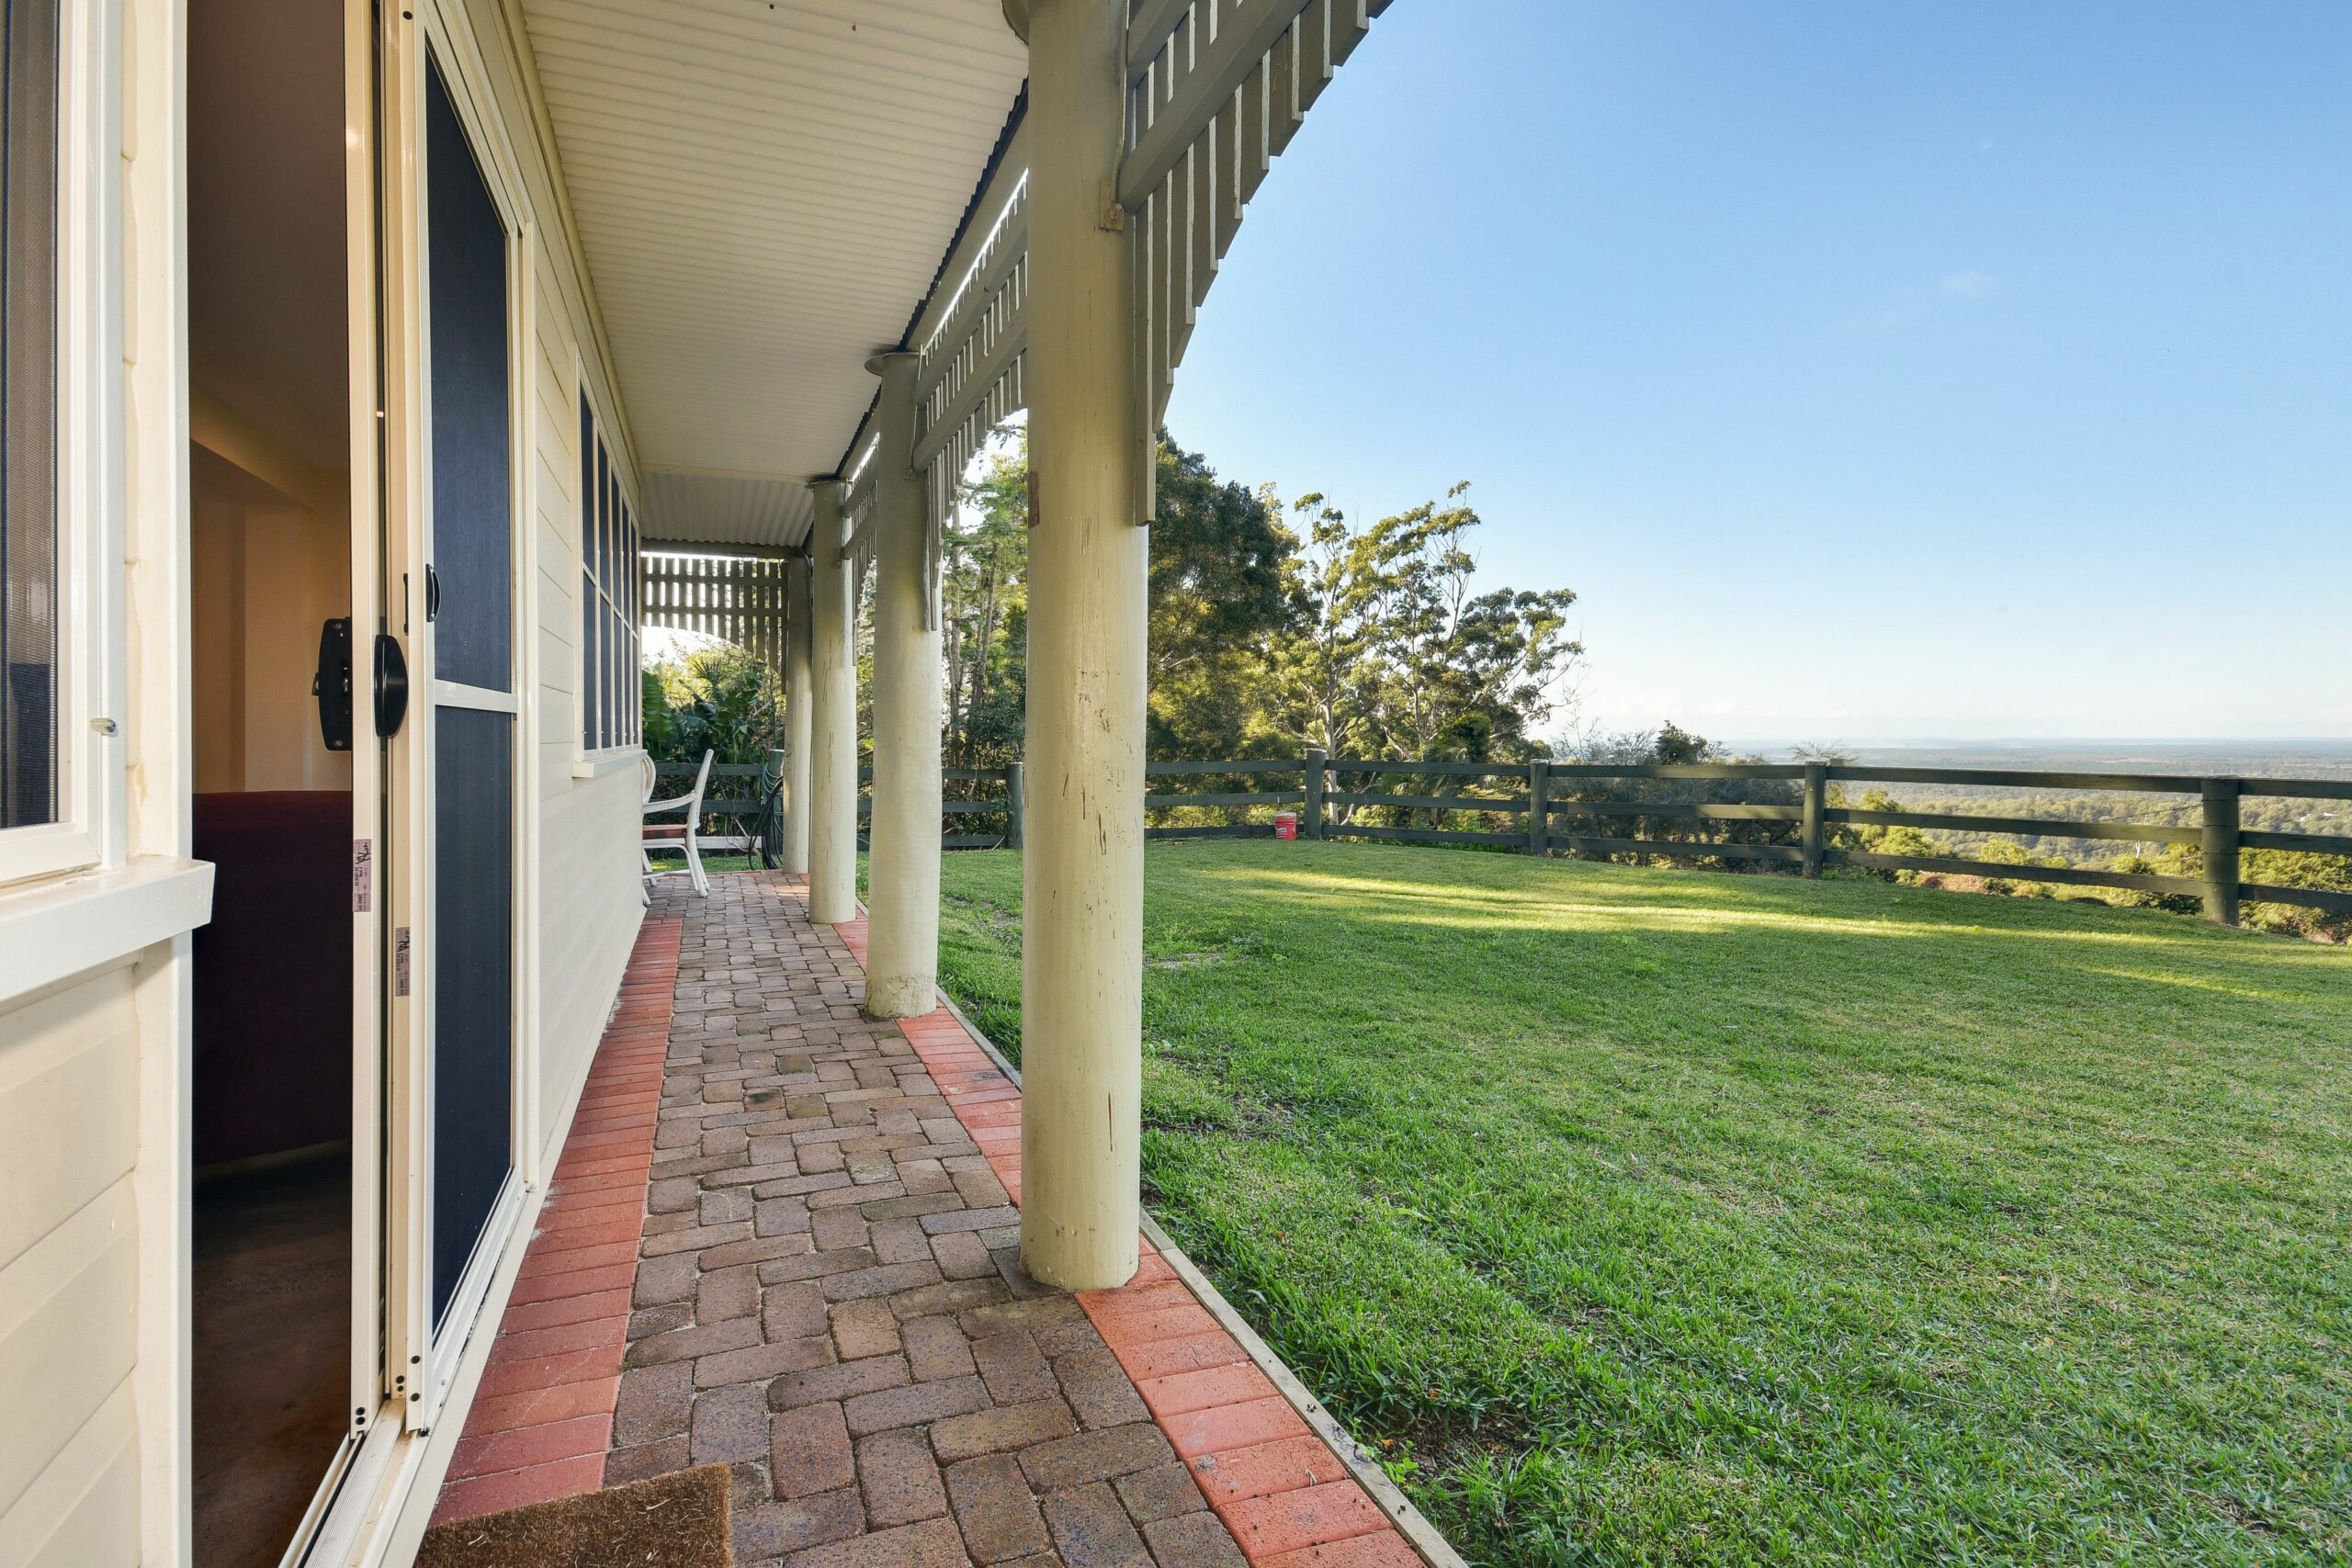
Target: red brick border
(543, 1417)
(1288, 1499)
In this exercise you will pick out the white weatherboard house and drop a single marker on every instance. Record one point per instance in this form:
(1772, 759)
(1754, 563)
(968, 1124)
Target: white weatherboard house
(357, 354)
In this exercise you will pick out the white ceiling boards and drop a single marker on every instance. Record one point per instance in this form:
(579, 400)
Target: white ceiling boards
(763, 193)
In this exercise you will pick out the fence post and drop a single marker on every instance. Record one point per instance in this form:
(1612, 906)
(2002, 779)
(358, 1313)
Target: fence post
(1539, 809)
(1817, 791)
(1014, 804)
(2221, 851)
(1314, 812)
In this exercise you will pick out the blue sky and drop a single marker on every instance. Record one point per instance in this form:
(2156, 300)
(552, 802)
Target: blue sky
(1870, 370)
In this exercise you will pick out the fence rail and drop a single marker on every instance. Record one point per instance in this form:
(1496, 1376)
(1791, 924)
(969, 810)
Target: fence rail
(1549, 818)
(746, 794)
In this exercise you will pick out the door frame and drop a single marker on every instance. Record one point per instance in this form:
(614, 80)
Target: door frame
(367, 611)
(421, 1359)
(366, 1445)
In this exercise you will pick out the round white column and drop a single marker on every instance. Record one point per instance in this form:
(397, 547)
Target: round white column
(798, 695)
(902, 861)
(832, 744)
(1082, 980)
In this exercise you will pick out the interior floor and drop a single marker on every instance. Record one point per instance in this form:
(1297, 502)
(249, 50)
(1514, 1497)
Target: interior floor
(272, 1351)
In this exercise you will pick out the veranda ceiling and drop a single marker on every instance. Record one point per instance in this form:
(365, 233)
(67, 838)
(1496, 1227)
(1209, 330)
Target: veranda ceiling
(764, 192)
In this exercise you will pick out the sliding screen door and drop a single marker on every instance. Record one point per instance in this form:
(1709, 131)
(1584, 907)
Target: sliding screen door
(471, 703)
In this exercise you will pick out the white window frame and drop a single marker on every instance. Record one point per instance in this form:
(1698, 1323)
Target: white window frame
(591, 761)
(91, 715)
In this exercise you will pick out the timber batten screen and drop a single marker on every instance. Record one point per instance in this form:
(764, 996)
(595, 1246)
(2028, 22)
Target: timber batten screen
(738, 599)
(1215, 90)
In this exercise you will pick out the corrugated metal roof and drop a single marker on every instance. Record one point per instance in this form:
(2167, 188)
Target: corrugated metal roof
(763, 193)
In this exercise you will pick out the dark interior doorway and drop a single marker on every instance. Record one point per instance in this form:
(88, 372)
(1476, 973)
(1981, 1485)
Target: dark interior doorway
(271, 537)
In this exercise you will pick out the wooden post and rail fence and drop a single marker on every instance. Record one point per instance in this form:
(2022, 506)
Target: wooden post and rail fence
(1566, 812)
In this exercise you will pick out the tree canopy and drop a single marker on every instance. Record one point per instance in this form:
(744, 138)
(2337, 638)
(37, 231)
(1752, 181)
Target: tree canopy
(1265, 637)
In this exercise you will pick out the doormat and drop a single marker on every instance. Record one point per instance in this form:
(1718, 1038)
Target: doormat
(677, 1520)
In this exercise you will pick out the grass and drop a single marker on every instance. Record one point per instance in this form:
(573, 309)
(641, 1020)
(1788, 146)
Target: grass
(1652, 1216)
(712, 864)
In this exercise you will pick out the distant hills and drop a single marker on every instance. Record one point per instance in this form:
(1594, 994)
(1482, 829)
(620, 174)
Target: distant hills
(2294, 758)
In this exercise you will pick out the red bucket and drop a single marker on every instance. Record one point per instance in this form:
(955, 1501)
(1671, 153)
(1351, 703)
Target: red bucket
(1285, 824)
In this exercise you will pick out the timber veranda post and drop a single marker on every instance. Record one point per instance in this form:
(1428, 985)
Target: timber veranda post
(902, 881)
(832, 712)
(1539, 809)
(2220, 801)
(1817, 791)
(797, 646)
(1082, 980)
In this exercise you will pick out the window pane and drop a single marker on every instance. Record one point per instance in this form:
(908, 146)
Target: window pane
(633, 710)
(587, 661)
(612, 527)
(614, 732)
(587, 487)
(590, 497)
(27, 410)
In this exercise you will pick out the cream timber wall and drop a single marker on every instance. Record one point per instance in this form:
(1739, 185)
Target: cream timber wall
(93, 1058)
(69, 1275)
(93, 1051)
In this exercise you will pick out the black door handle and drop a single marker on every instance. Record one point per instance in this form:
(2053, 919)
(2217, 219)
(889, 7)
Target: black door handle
(331, 683)
(432, 593)
(391, 685)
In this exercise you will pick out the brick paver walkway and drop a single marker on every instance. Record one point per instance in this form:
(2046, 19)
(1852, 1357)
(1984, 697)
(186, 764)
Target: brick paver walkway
(542, 1418)
(827, 1298)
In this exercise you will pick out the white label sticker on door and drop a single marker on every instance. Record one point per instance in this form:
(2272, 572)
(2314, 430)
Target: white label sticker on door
(363, 875)
(400, 962)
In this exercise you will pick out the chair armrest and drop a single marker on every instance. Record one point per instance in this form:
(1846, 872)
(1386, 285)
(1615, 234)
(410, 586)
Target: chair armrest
(680, 804)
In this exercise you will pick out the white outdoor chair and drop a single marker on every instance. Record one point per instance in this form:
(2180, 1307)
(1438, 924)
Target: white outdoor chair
(675, 836)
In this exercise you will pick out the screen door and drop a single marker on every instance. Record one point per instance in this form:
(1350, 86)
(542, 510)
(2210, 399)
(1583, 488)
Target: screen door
(471, 700)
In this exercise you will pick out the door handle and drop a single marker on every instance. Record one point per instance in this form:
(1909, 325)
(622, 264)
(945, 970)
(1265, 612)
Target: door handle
(330, 684)
(432, 593)
(391, 685)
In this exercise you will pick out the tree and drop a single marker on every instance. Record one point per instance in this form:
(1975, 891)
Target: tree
(1220, 594)
(1671, 745)
(983, 601)
(721, 699)
(1369, 644)
(1393, 656)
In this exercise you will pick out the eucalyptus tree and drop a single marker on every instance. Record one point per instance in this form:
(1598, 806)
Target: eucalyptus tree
(1395, 654)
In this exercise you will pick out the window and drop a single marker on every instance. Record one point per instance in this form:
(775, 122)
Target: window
(28, 519)
(610, 709)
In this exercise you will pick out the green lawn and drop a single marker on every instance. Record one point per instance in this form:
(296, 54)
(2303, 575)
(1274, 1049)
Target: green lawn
(1651, 1216)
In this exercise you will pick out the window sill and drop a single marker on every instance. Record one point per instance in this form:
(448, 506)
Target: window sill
(596, 764)
(51, 930)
